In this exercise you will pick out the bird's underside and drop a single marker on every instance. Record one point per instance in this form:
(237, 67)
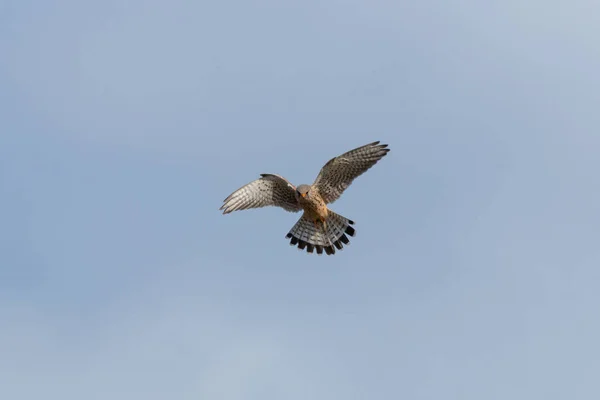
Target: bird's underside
(319, 228)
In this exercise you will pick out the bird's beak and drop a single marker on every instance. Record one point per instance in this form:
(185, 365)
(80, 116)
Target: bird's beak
(303, 194)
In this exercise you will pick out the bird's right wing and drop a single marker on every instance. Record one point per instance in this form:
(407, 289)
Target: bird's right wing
(268, 190)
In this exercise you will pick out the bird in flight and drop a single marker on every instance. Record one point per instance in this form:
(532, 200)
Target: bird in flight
(319, 228)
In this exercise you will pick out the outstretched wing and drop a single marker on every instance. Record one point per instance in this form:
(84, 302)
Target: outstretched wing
(269, 190)
(339, 172)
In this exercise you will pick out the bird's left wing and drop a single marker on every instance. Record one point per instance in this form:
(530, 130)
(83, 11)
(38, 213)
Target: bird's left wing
(339, 172)
(268, 190)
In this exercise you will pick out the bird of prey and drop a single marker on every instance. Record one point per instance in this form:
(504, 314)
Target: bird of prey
(319, 228)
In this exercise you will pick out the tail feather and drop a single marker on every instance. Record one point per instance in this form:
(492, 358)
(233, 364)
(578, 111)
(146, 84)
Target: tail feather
(333, 234)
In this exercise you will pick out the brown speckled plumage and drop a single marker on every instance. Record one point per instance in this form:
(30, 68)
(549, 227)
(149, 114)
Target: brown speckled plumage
(319, 229)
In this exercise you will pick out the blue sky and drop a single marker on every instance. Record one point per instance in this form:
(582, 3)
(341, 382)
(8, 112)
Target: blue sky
(474, 272)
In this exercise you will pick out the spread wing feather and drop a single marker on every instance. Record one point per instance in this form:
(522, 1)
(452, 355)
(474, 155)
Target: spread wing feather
(339, 172)
(268, 190)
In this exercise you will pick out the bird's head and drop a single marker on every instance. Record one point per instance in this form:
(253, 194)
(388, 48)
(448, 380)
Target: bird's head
(303, 191)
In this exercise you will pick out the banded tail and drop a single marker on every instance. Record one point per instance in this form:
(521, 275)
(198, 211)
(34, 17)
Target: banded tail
(326, 237)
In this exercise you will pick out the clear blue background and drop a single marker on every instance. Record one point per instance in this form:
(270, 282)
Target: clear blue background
(475, 270)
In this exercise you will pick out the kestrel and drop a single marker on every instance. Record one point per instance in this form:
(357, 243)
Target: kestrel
(319, 228)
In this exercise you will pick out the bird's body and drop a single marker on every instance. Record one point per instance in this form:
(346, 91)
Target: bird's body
(313, 205)
(319, 228)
